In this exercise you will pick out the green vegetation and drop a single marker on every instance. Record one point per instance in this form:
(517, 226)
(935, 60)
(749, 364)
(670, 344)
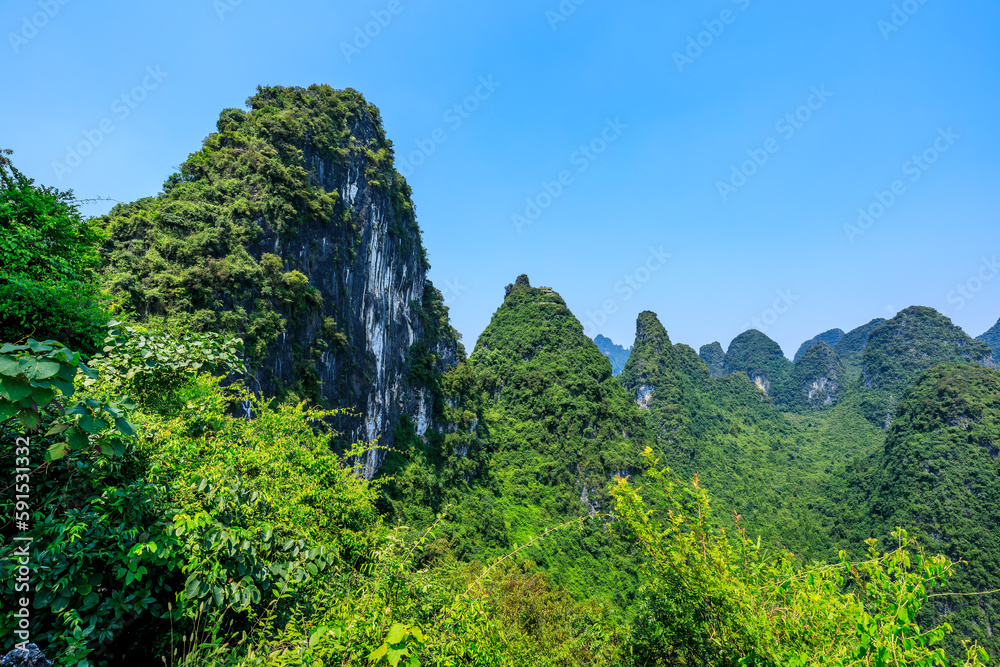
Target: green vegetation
(992, 338)
(529, 509)
(713, 355)
(852, 346)
(48, 289)
(831, 338)
(939, 472)
(817, 379)
(913, 341)
(762, 360)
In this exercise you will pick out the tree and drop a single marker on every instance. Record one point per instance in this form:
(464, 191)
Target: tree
(48, 288)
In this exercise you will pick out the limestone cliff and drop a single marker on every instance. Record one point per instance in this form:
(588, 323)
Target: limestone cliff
(291, 228)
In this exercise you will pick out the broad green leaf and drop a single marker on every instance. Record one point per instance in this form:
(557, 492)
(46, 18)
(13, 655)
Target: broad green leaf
(46, 368)
(30, 419)
(396, 633)
(65, 387)
(14, 390)
(377, 654)
(91, 425)
(10, 347)
(56, 451)
(125, 427)
(7, 410)
(77, 439)
(27, 366)
(9, 366)
(57, 429)
(42, 396)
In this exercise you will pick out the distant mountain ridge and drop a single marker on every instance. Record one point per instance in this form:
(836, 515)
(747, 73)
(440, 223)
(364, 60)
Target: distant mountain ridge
(831, 338)
(616, 353)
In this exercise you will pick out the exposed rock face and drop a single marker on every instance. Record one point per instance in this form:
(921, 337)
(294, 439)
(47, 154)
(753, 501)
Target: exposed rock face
(713, 355)
(831, 338)
(650, 365)
(33, 657)
(819, 376)
(313, 234)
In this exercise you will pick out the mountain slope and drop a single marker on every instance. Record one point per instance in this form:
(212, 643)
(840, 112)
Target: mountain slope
(714, 356)
(818, 378)
(560, 428)
(913, 341)
(762, 360)
(939, 474)
(992, 338)
(831, 338)
(852, 346)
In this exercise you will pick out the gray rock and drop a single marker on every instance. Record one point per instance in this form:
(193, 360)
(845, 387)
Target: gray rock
(33, 657)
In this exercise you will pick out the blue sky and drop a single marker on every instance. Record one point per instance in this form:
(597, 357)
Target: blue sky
(705, 160)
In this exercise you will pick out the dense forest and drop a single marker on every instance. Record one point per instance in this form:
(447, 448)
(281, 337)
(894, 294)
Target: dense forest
(241, 430)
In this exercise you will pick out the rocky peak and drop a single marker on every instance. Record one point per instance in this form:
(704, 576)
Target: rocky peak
(307, 246)
(714, 357)
(831, 338)
(914, 340)
(760, 358)
(819, 376)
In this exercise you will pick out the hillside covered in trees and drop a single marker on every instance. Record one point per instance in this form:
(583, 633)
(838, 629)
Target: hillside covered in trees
(253, 437)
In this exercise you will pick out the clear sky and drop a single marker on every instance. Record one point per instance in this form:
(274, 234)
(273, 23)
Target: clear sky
(698, 159)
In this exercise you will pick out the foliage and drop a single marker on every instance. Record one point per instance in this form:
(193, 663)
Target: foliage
(713, 355)
(762, 360)
(47, 285)
(151, 366)
(852, 346)
(184, 520)
(711, 600)
(992, 338)
(36, 385)
(911, 342)
(831, 338)
(939, 471)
